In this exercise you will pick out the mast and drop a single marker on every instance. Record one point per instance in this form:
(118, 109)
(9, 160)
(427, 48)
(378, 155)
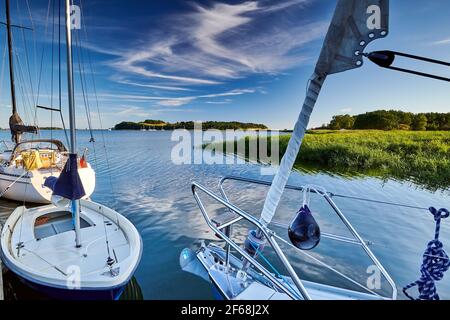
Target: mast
(70, 85)
(10, 56)
(16, 124)
(72, 123)
(15, 136)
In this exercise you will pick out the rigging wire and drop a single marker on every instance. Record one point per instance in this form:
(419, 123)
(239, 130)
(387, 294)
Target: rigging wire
(84, 86)
(326, 266)
(94, 87)
(33, 27)
(52, 71)
(333, 195)
(42, 56)
(24, 86)
(3, 67)
(27, 59)
(26, 103)
(59, 74)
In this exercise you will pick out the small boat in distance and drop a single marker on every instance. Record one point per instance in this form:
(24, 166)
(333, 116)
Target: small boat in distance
(73, 248)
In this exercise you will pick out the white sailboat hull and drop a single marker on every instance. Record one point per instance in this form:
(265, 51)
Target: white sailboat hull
(46, 258)
(28, 186)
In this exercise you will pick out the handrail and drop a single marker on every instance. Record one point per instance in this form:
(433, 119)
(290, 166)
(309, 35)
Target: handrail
(364, 246)
(267, 234)
(341, 216)
(8, 148)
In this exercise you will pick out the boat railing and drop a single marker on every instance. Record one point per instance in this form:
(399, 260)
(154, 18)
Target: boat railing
(224, 231)
(268, 234)
(7, 146)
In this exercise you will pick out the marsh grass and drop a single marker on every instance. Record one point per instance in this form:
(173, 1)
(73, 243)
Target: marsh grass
(420, 157)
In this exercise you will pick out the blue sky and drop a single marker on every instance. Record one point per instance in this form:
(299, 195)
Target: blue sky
(220, 60)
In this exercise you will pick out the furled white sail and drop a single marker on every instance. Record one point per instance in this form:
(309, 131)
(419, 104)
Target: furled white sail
(355, 24)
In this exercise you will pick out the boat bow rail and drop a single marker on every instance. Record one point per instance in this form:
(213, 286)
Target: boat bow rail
(223, 230)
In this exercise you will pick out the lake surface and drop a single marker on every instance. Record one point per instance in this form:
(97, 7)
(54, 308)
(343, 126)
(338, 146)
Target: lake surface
(155, 195)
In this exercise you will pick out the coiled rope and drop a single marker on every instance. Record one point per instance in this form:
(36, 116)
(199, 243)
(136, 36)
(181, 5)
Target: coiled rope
(435, 263)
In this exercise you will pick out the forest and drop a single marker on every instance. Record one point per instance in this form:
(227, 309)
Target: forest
(391, 120)
(188, 125)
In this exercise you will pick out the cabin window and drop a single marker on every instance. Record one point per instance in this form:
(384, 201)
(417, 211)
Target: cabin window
(55, 223)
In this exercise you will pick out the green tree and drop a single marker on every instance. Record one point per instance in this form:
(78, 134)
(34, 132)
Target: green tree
(342, 122)
(420, 122)
(379, 120)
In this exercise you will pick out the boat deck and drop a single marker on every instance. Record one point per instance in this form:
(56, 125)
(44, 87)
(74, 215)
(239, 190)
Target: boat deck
(49, 248)
(53, 261)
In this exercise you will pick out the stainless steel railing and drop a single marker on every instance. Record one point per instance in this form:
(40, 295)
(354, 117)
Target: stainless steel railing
(224, 231)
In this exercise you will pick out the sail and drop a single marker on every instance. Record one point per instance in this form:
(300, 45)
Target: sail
(68, 185)
(355, 24)
(17, 127)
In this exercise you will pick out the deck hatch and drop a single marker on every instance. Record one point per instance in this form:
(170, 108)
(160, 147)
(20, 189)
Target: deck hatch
(55, 223)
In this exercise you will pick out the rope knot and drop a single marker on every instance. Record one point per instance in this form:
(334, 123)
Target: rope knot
(435, 260)
(435, 263)
(439, 214)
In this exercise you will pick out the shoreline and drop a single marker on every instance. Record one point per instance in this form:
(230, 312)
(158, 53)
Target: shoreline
(421, 157)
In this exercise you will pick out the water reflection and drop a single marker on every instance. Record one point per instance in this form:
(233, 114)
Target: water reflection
(155, 195)
(16, 290)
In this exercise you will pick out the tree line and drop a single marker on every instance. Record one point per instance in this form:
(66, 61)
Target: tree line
(189, 125)
(391, 120)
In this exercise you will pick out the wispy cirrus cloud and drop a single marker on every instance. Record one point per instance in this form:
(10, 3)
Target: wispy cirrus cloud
(226, 101)
(133, 112)
(442, 42)
(172, 101)
(153, 86)
(210, 45)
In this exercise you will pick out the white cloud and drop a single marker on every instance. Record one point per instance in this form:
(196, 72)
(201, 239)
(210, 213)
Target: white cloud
(133, 111)
(175, 102)
(441, 42)
(213, 44)
(347, 110)
(153, 86)
(172, 101)
(227, 101)
(130, 63)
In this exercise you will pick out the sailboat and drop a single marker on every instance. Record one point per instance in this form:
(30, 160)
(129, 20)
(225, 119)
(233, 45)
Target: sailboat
(243, 271)
(73, 248)
(25, 167)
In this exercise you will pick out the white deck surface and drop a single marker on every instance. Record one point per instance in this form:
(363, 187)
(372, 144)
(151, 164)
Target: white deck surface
(55, 259)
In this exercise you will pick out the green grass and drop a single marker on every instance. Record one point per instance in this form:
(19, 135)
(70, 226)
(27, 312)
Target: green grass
(421, 157)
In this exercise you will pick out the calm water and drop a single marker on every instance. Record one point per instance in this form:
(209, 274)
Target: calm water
(155, 195)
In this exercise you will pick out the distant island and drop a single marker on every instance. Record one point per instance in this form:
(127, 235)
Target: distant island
(391, 120)
(50, 128)
(188, 125)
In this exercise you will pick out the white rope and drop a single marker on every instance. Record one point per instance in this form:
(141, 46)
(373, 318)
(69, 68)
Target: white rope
(13, 183)
(282, 176)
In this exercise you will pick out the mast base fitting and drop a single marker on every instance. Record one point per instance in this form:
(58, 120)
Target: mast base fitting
(253, 243)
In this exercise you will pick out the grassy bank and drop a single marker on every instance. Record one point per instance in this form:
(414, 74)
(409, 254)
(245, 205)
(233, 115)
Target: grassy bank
(422, 157)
